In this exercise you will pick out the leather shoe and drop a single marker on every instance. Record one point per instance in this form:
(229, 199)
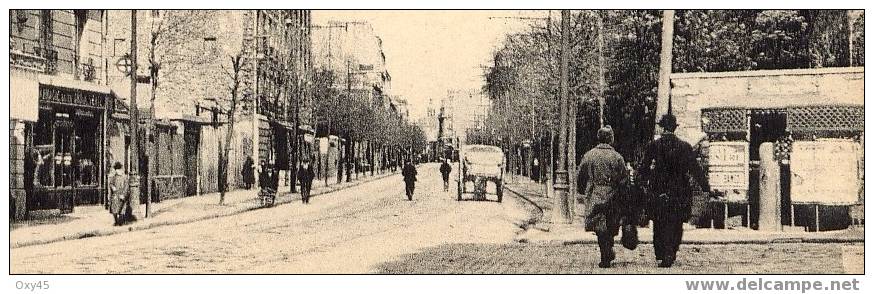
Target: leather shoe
(604, 264)
(667, 262)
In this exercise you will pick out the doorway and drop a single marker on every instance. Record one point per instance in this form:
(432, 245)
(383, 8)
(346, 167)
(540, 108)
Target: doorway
(766, 125)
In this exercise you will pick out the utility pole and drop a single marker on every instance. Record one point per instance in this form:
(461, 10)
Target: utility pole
(561, 182)
(601, 82)
(664, 92)
(850, 35)
(134, 120)
(292, 39)
(349, 142)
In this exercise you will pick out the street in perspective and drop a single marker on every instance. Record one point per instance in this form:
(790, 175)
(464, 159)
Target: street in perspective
(436, 142)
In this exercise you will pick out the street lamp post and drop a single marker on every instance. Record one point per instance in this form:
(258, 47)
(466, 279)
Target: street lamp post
(561, 182)
(134, 121)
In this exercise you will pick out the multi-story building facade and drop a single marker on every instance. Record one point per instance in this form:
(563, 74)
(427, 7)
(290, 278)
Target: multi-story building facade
(59, 107)
(353, 52)
(69, 79)
(460, 119)
(399, 106)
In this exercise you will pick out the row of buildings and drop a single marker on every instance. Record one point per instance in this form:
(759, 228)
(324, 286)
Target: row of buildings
(447, 121)
(70, 77)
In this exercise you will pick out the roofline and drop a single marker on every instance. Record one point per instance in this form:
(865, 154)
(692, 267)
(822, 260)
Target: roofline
(769, 72)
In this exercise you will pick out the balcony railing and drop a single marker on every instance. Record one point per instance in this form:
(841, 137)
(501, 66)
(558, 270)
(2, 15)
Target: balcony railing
(87, 72)
(51, 59)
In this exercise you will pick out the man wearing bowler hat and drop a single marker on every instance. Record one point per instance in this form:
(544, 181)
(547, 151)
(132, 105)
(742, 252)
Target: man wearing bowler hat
(664, 174)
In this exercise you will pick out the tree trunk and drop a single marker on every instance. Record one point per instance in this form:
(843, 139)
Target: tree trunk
(349, 155)
(236, 61)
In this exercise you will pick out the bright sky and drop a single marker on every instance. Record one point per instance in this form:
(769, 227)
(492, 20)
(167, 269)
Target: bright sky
(430, 52)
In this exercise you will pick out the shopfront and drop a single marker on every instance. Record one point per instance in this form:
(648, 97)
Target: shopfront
(64, 149)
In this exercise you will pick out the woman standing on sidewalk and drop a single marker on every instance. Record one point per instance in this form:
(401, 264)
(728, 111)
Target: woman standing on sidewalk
(249, 172)
(118, 193)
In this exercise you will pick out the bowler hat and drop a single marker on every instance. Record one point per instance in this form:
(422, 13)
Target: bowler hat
(668, 121)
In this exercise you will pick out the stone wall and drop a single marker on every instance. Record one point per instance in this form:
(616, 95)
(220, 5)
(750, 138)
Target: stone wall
(692, 92)
(17, 199)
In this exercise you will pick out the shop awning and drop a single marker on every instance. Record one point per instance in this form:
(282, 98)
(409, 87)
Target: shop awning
(73, 84)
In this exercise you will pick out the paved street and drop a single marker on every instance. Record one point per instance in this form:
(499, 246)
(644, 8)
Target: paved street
(349, 231)
(371, 228)
(582, 259)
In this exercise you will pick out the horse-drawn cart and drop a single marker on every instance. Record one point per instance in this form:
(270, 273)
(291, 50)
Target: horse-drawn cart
(480, 164)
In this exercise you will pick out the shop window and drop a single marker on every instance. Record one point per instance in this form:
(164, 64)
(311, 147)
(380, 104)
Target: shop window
(63, 157)
(43, 150)
(65, 149)
(87, 140)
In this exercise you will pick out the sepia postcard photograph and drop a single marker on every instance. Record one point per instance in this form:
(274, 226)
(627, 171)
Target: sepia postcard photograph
(438, 142)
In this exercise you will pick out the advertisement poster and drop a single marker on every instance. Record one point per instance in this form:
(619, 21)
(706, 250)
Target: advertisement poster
(825, 172)
(728, 169)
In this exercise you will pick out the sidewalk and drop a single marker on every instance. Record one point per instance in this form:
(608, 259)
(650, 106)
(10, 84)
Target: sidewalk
(92, 221)
(542, 231)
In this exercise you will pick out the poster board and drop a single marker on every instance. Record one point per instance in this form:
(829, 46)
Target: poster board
(825, 172)
(728, 169)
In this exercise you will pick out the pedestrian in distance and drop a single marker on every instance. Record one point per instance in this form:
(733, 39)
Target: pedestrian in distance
(445, 169)
(249, 172)
(603, 173)
(119, 189)
(409, 173)
(663, 173)
(305, 175)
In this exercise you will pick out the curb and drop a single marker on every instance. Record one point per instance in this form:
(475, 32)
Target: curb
(535, 220)
(725, 242)
(118, 230)
(535, 217)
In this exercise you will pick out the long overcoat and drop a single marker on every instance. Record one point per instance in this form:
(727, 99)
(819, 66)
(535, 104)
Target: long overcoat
(603, 172)
(119, 192)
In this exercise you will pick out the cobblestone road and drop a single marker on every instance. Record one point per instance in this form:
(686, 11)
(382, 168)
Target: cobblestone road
(796, 258)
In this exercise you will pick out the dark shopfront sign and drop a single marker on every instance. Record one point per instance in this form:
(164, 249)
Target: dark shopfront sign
(71, 97)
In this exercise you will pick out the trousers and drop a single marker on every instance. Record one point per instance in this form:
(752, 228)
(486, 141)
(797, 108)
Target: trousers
(305, 193)
(605, 244)
(410, 187)
(668, 219)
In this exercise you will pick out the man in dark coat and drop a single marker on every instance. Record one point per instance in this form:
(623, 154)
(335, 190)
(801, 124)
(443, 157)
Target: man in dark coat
(445, 169)
(409, 173)
(305, 175)
(604, 176)
(664, 174)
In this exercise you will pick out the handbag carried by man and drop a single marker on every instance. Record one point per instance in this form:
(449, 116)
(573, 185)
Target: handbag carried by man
(632, 200)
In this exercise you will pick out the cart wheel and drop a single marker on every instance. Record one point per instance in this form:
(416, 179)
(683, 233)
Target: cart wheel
(500, 190)
(460, 184)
